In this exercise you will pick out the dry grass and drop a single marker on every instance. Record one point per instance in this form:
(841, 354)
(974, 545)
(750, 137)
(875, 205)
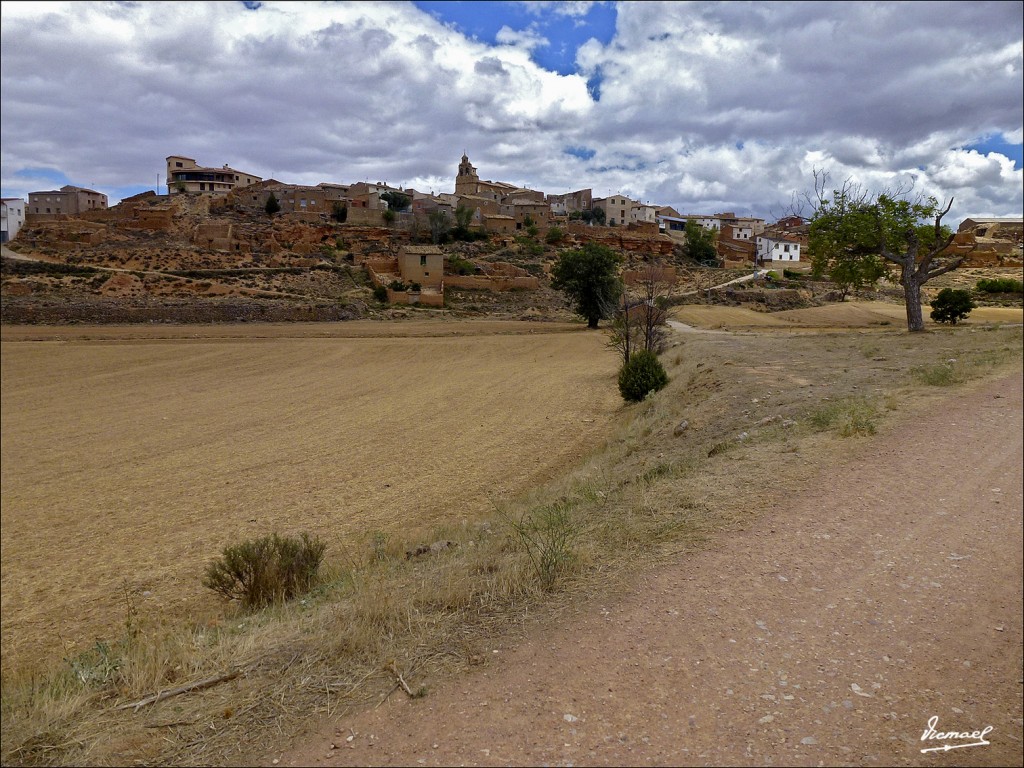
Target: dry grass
(875, 315)
(643, 493)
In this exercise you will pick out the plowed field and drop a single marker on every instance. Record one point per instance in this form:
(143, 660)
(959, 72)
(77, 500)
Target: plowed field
(132, 456)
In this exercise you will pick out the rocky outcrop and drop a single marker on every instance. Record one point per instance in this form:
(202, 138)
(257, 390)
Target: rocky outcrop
(990, 242)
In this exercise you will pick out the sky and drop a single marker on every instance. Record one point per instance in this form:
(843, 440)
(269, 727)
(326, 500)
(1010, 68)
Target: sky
(706, 107)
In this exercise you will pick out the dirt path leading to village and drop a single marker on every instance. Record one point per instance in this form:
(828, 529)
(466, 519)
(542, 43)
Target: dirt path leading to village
(828, 632)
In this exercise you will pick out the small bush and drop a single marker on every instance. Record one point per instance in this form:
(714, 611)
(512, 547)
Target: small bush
(548, 536)
(380, 293)
(641, 374)
(951, 306)
(1000, 285)
(554, 236)
(259, 572)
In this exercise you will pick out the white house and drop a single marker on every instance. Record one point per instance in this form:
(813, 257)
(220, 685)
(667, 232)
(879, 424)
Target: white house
(777, 249)
(741, 232)
(643, 213)
(12, 216)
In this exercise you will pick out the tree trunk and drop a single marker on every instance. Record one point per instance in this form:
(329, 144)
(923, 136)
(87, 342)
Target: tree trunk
(912, 296)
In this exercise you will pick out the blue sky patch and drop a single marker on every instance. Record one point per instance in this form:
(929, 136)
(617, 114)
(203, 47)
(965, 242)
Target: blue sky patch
(998, 143)
(565, 34)
(583, 153)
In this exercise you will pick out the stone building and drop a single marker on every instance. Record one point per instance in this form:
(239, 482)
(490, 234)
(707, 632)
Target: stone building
(66, 201)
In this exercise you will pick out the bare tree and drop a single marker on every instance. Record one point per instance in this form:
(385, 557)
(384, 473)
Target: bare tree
(641, 320)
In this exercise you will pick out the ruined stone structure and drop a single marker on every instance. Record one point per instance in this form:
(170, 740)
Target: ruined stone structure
(990, 242)
(563, 205)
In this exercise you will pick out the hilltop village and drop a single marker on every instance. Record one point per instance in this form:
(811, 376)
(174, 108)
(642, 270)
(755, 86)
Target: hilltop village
(225, 244)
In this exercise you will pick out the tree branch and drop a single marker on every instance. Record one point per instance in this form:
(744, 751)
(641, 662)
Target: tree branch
(945, 268)
(196, 686)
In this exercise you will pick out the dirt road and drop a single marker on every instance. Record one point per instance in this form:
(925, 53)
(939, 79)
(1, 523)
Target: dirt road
(828, 632)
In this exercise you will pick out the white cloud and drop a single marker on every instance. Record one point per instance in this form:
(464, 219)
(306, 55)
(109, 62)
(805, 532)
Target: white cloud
(703, 106)
(527, 39)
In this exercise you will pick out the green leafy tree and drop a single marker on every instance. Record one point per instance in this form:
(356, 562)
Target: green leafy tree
(440, 225)
(598, 216)
(339, 212)
(853, 226)
(951, 306)
(272, 205)
(396, 200)
(852, 273)
(554, 236)
(461, 231)
(589, 277)
(700, 244)
(463, 217)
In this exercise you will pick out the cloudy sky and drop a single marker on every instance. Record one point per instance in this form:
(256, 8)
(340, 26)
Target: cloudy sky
(707, 107)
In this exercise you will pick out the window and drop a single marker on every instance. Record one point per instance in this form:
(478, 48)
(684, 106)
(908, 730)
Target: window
(423, 261)
(785, 248)
(178, 165)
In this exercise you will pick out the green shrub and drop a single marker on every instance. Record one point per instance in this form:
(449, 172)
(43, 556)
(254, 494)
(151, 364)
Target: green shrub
(460, 266)
(641, 374)
(259, 572)
(380, 293)
(1000, 285)
(272, 205)
(951, 306)
(554, 236)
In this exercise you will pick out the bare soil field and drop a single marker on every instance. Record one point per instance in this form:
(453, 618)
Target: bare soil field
(132, 455)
